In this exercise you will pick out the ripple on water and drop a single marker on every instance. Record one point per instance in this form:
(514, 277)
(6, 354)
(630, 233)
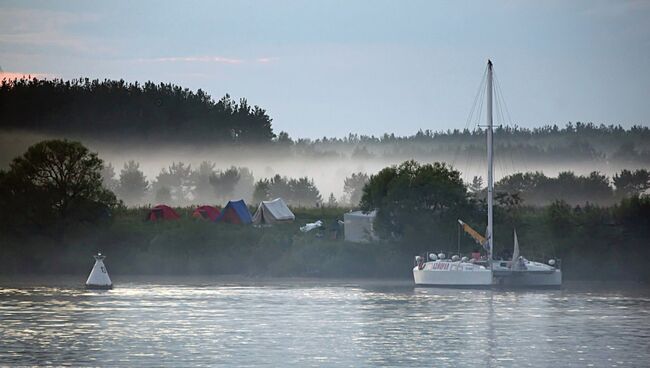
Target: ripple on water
(319, 323)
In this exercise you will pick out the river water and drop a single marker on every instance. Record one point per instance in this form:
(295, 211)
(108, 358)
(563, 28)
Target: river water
(183, 322)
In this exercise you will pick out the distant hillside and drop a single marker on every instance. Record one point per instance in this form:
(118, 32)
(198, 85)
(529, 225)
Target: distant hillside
(118, 109)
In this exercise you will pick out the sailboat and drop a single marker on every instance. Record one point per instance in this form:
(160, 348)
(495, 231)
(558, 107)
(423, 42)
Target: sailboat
(437, 270)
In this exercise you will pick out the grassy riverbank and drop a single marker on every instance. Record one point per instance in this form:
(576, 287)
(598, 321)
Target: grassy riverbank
(595, 243)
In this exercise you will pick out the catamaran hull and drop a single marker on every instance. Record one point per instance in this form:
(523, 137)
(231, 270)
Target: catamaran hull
(531, 279)
(452, 278)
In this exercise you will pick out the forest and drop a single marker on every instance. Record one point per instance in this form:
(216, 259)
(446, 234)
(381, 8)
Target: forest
(117, 109)
(150, 113)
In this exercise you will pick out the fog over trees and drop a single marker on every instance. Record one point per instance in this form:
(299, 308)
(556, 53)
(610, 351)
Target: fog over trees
(180, 146)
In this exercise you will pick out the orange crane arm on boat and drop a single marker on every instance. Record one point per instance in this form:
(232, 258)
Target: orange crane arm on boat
(473, 233)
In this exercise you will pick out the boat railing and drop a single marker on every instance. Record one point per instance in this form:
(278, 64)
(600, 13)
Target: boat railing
(448, 254)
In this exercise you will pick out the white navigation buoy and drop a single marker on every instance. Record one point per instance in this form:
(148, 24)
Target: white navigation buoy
(98, 278)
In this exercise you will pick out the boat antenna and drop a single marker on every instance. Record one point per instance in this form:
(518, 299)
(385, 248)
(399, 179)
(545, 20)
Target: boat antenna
(490, 152)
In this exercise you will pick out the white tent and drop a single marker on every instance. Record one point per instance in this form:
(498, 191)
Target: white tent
(359, 226)
(270, 212)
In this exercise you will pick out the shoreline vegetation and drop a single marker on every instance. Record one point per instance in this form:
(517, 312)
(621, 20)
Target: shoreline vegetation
(54, 230)
(594, 243)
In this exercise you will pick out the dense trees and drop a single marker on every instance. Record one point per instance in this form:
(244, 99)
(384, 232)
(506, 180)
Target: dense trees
(539, 189)
(629, 183)
(414, 201)
(110, 108)
(54, 183)
(579, 143)
(299, 192)
(107, 109)
(182, 184)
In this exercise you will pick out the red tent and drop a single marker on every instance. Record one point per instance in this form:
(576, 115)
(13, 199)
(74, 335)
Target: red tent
(162, 212)
(206, 212)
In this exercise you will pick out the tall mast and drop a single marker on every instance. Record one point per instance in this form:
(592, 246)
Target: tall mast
(490, 179)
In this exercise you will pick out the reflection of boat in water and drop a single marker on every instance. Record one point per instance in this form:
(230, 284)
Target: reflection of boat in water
(436, 270)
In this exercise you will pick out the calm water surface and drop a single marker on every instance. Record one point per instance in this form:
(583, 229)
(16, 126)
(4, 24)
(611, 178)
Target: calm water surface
(184, 322)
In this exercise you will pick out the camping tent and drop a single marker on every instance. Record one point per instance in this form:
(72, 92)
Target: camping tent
(161, 212)
(235, 212)
(359, 226)
(270, 212)
(206, 212)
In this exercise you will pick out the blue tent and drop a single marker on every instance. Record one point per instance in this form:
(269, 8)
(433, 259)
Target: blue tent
(235, 212)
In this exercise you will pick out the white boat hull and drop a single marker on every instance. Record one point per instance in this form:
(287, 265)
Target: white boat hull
(463, 274)
(533, 274)
(452, 278)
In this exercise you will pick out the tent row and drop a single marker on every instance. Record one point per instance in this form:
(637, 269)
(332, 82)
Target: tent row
(235, 212)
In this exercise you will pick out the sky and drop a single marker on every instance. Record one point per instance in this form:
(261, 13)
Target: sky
(329, 68)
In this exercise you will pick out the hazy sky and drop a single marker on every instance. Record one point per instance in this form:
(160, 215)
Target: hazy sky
(334, 67)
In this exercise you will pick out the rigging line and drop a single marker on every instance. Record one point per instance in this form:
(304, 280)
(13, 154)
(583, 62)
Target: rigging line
(469, 152)
(523, 155)
(472, 110)
(503, 104)
(477, 98)
(501, 162)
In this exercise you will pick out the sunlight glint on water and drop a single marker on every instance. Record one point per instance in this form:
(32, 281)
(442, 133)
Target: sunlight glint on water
(320, 323)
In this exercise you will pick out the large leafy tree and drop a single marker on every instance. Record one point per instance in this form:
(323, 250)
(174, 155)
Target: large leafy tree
(417, 203)
(54, 183)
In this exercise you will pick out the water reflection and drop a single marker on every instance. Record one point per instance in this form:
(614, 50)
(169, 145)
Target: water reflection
(213, 322)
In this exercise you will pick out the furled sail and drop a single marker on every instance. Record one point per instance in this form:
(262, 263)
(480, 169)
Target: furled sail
(480, 239)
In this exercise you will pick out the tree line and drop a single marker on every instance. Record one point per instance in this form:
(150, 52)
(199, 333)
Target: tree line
(114, 108)
(169, 113)
(535, 188)
(180, 185)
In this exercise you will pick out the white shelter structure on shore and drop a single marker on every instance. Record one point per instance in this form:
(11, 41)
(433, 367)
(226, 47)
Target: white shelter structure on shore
(359, 226)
